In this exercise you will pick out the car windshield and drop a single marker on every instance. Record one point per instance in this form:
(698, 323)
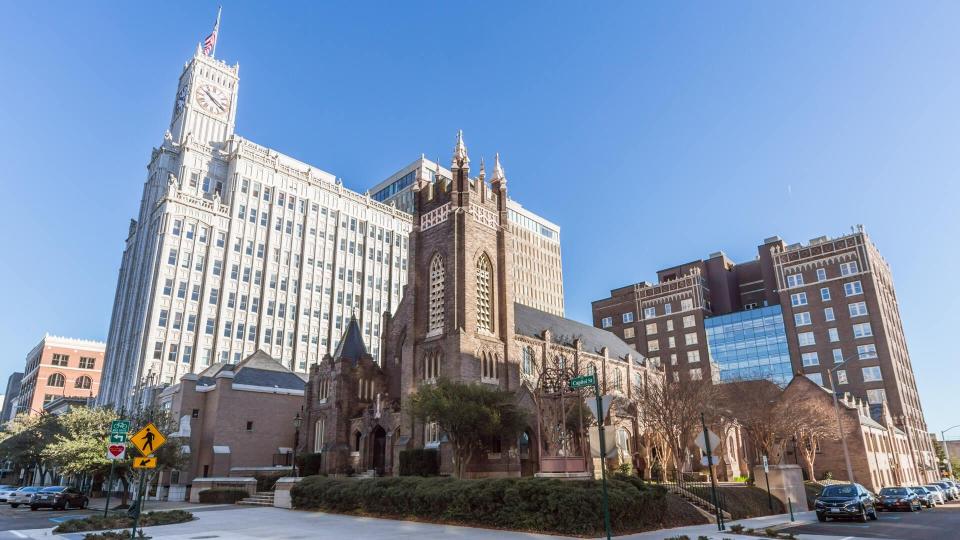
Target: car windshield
(919, 490)
(839, 491)
(944, 485)
(934, 488)
(894, 491)
(53, 489)
(30, 489)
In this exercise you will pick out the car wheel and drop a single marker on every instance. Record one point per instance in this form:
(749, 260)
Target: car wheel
(821, 517)
(873, 515)
(863, 515)
(14, 505)
(84, 503)
(33, 508)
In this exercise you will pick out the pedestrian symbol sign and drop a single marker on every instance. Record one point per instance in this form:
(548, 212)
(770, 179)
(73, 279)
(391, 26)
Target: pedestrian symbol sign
(148, 439)
(149, 462)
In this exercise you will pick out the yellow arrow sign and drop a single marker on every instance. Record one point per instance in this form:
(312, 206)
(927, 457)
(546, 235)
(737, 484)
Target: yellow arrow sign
(149, 462)
(148, 439)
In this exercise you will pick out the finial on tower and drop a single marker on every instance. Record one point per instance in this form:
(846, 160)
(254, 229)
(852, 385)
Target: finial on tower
(483, 169)
(498, 170)
(460, 157)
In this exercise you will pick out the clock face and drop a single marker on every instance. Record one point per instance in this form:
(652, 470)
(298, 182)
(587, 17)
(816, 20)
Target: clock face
(212, 99)
(181, 100)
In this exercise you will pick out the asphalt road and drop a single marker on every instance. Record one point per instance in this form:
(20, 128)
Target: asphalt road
(24, 518)
(939, 523)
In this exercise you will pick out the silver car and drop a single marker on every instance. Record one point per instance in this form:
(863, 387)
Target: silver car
(5, 492)
(23, 495)
(938, 494)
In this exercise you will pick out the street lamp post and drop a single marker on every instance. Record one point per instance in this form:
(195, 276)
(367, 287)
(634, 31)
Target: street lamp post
(946, 449)
(836, 407)
(297, 421)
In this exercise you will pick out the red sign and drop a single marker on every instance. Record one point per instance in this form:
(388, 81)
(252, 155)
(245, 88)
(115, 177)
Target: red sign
(116, 451)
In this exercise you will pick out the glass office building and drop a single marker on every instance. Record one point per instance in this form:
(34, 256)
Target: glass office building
(750, 345)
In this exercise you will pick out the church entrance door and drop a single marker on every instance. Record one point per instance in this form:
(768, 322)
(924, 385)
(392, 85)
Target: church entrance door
(379, 449)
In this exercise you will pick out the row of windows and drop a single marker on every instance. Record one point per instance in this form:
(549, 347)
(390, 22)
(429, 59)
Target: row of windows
(63, 360)
(864, 352)
(689, 338)
(846, 269)
(851, 288)
(856, 309)
(57, 380)
(861, 330)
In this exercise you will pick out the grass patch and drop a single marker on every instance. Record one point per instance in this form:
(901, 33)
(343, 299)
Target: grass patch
(748, 501)
(523, 504)
(99, 523)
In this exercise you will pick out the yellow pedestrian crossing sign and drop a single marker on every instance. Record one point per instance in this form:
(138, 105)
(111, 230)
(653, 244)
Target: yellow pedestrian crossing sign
(149, 462)
(148, 439)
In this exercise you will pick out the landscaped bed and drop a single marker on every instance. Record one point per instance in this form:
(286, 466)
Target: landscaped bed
(749, 501)
(570, 507)
(99, 523)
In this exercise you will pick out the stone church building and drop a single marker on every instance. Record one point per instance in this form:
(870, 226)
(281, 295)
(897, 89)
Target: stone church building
(458, 320)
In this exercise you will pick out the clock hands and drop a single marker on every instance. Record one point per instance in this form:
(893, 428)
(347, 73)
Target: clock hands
(214, 99)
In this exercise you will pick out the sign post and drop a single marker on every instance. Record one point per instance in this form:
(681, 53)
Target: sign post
(582, 382)
(118, 435)
(766, 476)
(147, 440)
(713, 485)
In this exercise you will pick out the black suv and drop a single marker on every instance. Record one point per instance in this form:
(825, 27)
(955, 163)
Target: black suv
(899, 498)
(58, 498)
(845, 500)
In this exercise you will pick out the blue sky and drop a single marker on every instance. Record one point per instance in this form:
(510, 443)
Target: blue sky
(653, 133)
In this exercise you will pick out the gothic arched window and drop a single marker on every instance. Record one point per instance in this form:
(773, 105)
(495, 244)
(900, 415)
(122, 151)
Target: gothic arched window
(435, 320)
(83, 382)
(527, 365)
(488, 366)
(431, 365)
(56, 379)
(484, 294)
(318, 436)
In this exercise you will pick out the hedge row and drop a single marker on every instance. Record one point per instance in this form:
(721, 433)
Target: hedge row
(527, 504)
(98, 522)
(419, 462)
(222, 495)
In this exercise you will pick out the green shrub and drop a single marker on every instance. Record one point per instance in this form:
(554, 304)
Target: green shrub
(737, 529)
(121, 521)
(267, 480)
(827, 476)
(309, 464)
(625, 468)
(419, 462)
(223, 495)
(529, 504)
(771, 532)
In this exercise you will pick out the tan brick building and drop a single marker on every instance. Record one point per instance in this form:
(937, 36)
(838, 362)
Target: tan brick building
(459, 320)
(60, 367)
(235, 419)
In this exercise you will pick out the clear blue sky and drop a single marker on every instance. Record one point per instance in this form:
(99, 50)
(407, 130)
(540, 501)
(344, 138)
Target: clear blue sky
(652, 133)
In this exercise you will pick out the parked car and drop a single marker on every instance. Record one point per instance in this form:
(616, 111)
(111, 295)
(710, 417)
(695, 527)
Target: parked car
(845, 500)
(58, 498)
(949, 492)
(22, 495)
(938, 493)
(926, 496)
(899, 498)
(5, 492)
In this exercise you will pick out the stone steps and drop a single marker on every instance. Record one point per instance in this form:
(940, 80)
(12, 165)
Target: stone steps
(261, 498)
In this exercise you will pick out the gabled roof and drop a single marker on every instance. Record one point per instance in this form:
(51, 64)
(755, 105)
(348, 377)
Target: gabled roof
(532, 322)
(351, 346)
(258, 369)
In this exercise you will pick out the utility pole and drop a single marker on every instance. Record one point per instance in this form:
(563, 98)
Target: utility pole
(713, 484)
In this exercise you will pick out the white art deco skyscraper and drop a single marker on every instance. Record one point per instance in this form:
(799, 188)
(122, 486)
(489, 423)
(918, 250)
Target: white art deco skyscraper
(238, 247)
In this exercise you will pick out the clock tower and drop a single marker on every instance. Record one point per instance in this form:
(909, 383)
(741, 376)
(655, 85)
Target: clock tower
(206, 101)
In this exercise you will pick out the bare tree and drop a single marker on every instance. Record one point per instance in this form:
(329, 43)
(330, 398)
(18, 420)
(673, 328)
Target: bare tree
(812, 424)
(757, 407)
(673, 408)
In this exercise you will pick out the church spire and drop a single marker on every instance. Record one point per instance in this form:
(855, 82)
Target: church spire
(498, 170)
(460, 157)
(483, 169)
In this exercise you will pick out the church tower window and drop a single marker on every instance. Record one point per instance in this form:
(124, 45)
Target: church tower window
(436, 295)
(318, 436)
(484, 294)
(488, 367)
(431, 365)
(527, 361)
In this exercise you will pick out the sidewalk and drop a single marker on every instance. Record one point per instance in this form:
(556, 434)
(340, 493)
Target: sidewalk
(710, 530)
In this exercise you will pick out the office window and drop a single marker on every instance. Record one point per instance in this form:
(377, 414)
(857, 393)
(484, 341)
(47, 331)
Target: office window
(837, 356)
(841, 376)
(653, 345)
(865, 352)
(686, 303)
(628, 333)
(857, 309)
(209, 328)
(87, 363)
(157, 350)
(172, 354)
(798, 299)
(871, 374)
(810, 359)
(690, 338)
(628, 317)
(821, 274)
(650, 312)
(693, 357)
(689, 321)
(172, 257)
(862, 330)
(60, 360)
(794, 280)
(57, 379)
(669, 325)
(668, 308)
(191, 323)
(825, 294)
(802, 318)
(168, 287)
(834, 335)
(671, 342)
(848, 268)
(815, 377)
(876, 396)
(163, 318)
(606, 322)
(177, 224)
(806, 339)
(828, 314)
(853, 288)
(651, 328)
(214, 296)
(696, 374)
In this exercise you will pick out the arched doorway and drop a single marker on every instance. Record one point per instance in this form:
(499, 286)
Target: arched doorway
(379, 449)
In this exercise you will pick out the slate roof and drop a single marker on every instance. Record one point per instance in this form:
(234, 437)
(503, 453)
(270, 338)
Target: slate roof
(532, 322)
(351, 346)
(258, 369)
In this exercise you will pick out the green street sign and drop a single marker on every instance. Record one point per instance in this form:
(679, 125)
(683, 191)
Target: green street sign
(118, 438)
(582, 382)
(120, 426)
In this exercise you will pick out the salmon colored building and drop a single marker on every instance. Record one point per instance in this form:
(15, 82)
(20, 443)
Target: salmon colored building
(60, 367)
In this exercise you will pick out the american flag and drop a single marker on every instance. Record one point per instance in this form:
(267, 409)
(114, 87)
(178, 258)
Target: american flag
(210, 44)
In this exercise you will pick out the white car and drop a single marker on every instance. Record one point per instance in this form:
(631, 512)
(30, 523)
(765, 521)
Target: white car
(23, 495)
(937, 493)
(5, 492)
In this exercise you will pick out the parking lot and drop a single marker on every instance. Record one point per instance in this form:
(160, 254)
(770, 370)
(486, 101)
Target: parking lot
(930, 524)
(24, 518)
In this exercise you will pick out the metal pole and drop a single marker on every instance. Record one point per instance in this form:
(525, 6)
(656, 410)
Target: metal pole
(946, 450)
(139, 503)
(843, 441)
(766, 477)
(790, 504)
(603, 456)
(713, 484)
(106, 507)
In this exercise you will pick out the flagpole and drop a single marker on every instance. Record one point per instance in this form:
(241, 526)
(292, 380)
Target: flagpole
(216, 32)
